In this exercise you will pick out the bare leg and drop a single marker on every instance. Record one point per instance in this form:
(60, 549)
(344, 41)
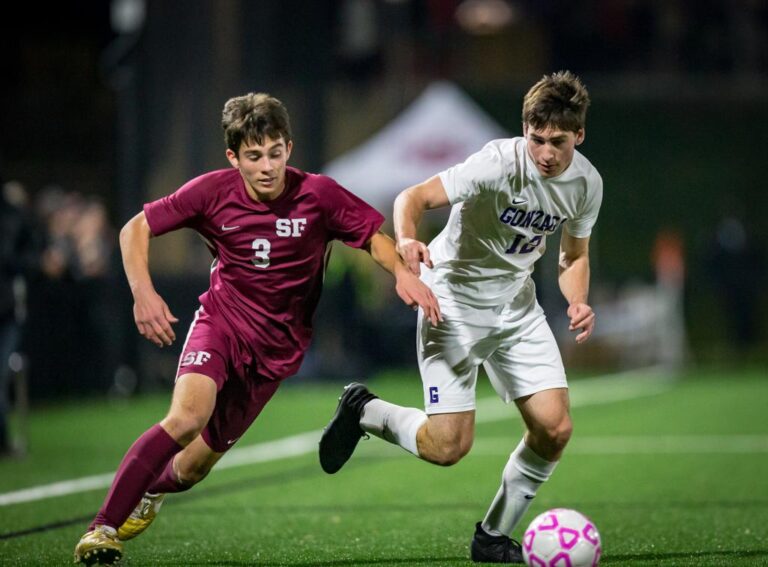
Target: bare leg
(549, 427)
(547, 417)
(195, 462)
(194, 396)
(442, 439)
(447, 437)
(186, 469)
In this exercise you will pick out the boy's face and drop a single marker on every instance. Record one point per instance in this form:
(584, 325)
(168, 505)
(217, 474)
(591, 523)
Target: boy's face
(262, 166)
(551, 149)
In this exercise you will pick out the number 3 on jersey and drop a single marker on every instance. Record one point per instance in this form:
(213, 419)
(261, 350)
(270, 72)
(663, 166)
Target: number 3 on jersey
(291, 228)
(262, 248)
(526, 248)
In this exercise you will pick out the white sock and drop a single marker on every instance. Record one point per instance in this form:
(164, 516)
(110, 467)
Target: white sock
(392, 423)
(523, 475)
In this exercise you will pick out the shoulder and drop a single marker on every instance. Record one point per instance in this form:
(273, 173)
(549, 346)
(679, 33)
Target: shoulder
(509, 147)
(505, 150)
(307, 180)
(505, 156)
(589, 182)
(310, 182)
(496, 159)
(583, 168)
(336, 201)
(200, 192)
(211, 183)
(325, 188)
(214, 179)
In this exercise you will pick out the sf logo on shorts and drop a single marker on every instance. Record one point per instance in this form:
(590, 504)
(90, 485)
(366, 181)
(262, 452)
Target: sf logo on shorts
(196, 358)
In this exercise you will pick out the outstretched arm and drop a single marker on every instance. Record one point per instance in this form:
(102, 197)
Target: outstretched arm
(409, 208)
(408, 286)
(574, 283)
(152, 315)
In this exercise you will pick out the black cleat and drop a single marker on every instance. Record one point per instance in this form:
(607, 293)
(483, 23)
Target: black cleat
(341, 435)
(487, 548)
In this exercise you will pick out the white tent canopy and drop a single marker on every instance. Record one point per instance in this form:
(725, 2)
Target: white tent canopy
(439, 129)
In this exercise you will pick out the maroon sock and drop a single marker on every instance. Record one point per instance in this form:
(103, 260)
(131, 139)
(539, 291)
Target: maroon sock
(143, 462)
(167, 482)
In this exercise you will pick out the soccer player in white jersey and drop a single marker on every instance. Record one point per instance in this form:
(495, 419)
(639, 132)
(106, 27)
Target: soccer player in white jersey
(506, 199)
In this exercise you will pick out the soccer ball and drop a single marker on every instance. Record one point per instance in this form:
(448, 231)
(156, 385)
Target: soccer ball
(561, 538)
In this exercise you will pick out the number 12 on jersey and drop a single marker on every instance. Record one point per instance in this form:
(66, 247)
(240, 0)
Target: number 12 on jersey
(521, 246)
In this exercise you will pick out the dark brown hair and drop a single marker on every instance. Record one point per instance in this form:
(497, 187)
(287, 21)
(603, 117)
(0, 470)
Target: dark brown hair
(559, 100)
(252, 117)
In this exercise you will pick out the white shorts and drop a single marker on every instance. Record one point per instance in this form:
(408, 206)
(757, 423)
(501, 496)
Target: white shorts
(513, 342)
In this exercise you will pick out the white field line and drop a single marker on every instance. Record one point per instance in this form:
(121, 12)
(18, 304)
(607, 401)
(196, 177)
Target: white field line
(286, 447)
(599, 390)
(57, 489)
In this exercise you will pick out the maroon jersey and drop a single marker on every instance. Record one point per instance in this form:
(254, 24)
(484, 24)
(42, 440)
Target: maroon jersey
(270, 256)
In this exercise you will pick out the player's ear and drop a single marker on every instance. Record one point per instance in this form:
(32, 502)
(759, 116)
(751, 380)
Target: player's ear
(232, 157)
(525, 129)
(580, 136)
(288, 148)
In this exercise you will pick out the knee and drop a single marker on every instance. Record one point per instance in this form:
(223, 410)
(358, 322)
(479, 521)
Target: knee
(553, 439)
(559, 435)
(183, 428)
(446, 439)
(190, 474)
(452, 451)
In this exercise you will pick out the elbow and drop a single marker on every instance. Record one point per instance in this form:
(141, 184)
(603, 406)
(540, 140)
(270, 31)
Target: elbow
(136, 225)
(373, 244)
(415, 195)
(567, 261)
(564, 262)
(126, 233)
(403, 198)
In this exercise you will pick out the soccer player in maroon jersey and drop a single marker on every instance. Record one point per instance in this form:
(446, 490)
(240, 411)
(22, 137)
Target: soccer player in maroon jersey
(270, 227)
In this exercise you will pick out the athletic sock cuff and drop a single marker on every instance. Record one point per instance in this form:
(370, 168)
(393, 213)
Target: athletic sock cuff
(530, 464)
(417, 421)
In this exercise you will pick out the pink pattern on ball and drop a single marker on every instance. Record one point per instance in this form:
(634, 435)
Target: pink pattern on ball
(598, 553)
(551, 525)
(590, 533)
(568, 538)
(528, 539)
(562, 559)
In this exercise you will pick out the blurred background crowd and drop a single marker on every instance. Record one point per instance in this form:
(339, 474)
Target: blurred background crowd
(108, 105)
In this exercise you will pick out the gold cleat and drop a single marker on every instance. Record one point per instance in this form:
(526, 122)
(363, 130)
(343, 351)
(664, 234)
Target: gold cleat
(99, 546)
(143, 515)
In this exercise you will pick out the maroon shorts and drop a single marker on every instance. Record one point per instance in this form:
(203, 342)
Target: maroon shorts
(210, 350)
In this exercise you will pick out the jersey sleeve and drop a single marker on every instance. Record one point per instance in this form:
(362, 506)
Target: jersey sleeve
(480, 172)
(581, 226)
(180, 209)
(350, 219)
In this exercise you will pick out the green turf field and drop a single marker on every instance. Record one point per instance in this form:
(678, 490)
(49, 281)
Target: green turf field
(672, 472)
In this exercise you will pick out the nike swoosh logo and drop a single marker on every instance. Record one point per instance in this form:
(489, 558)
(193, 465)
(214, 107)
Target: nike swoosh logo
(225, 227)
(529, 496)
(519, 201)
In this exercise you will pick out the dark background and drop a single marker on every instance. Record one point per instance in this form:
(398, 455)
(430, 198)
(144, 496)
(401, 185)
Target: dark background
(125, 115)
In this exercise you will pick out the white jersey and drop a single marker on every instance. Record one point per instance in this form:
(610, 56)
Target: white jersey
(503, 210)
